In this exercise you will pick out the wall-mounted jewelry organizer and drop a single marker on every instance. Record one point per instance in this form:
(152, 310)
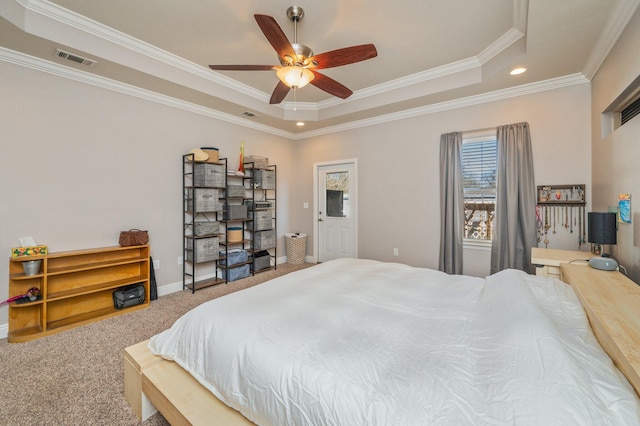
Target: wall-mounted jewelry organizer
(561, 206)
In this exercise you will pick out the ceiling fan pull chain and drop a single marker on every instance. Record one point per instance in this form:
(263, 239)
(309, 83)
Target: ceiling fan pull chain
(295, 90)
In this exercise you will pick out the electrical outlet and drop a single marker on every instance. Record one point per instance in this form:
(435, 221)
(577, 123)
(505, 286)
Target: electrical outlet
(395, 252)
(180, 260)
(156, 264)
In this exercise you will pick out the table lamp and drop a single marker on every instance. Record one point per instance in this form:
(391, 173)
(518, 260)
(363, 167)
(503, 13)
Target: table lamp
(602, 230)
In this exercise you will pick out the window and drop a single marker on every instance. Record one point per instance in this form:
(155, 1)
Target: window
(630, 111)
(623, 109)
(479, 166)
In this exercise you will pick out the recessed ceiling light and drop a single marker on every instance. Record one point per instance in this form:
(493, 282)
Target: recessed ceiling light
(300, 123)
(517, 71)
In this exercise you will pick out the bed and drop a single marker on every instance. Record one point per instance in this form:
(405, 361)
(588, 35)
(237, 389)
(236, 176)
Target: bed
(365, 342)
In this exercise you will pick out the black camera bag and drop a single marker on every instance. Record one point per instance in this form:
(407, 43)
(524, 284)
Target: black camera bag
(130, 295)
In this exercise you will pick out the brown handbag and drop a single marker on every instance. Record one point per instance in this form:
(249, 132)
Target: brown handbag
(133, 237)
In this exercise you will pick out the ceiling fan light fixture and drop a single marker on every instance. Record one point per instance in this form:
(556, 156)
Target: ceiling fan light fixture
(295, 77)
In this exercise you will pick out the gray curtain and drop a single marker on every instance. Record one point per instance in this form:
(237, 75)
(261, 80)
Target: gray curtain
(515, 215)
(451, 203)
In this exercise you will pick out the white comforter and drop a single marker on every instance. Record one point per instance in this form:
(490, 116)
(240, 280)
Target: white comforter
(360, 342)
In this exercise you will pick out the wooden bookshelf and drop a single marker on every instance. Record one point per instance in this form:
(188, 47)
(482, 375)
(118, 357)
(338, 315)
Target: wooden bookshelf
(76, 288)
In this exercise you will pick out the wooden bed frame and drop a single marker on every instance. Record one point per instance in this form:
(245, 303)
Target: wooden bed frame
(611, 301)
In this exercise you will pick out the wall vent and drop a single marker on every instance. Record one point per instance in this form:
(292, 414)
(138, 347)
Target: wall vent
(75, 58)
(630, 111)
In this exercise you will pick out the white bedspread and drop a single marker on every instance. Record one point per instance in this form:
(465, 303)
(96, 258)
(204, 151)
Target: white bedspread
(360, 342)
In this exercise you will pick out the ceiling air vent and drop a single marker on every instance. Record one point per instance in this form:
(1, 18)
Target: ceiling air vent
(75, 58)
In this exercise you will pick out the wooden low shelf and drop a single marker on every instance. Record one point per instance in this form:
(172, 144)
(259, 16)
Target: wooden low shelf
(90, 267)
(76, 288)
(112, 285)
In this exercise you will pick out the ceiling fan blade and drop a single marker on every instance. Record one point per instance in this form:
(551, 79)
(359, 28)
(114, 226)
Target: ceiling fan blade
(330, 86)
(279, 93)
(275, 35)
(345, 56)
(241, 67)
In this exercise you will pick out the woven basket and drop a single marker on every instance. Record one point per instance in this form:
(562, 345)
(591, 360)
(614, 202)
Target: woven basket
(296, 246)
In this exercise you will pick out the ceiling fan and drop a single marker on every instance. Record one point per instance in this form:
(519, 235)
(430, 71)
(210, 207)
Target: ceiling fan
(298, 65)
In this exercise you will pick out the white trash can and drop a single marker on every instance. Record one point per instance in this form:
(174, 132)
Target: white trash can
(296, 245)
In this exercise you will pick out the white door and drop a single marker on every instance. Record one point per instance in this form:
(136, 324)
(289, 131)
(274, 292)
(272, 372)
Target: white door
(336, 210)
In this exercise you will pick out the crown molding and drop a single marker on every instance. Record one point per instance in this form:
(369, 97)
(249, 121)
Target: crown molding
(51, 18)
(52, 68)
(623, 12)
(526, 89)
(79, 76)
(69, 18)
(501, 44)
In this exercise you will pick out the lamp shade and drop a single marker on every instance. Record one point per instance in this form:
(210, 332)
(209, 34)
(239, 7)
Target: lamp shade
(602, 228)
(295, 77)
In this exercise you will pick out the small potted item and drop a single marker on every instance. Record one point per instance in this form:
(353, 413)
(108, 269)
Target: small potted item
(31, 267)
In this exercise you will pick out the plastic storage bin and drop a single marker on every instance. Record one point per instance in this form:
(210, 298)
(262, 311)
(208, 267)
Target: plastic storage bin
(236, 273)
(234, 256)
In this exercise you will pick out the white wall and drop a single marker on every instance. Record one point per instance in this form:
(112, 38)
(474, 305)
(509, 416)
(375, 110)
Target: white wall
(615, 157)
(79, 163)
(398, 165)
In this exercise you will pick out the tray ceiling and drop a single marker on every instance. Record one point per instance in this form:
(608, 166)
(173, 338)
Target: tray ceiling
(431, 54)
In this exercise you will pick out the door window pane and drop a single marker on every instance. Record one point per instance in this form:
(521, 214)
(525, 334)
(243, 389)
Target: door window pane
(337, 195)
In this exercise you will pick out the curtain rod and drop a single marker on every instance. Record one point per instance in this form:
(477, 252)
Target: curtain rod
(486, 129)
(480, 132)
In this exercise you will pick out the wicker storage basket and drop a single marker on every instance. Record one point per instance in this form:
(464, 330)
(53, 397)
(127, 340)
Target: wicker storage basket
(296, 245)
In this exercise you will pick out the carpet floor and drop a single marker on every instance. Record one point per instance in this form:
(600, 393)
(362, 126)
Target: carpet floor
(76, 377)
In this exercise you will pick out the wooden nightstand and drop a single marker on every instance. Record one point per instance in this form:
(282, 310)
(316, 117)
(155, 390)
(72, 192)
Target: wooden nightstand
(547, 261)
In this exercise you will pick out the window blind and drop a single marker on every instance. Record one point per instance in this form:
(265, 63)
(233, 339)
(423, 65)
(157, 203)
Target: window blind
(629, 112)
(479, 164)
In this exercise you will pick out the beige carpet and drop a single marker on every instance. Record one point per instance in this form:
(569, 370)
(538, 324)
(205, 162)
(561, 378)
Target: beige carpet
(76, 377)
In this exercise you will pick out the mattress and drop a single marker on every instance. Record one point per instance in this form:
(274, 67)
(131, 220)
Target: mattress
(361, 342)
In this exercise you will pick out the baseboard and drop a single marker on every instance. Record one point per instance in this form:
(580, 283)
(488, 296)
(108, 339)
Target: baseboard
(163, 290)
(4, 331)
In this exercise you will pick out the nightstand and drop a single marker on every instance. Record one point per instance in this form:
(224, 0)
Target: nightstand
(547, 261)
